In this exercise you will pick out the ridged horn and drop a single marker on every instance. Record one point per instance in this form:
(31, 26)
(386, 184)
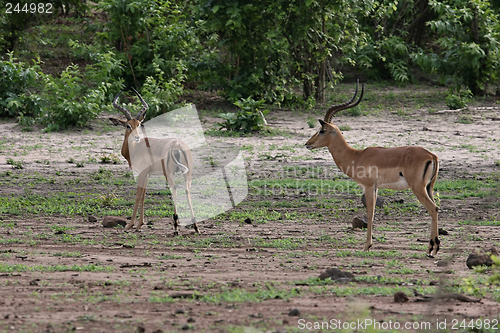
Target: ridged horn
(347, 105)
(122, 109)
(145, 106)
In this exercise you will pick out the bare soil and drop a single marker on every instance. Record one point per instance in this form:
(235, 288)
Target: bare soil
(237, 275)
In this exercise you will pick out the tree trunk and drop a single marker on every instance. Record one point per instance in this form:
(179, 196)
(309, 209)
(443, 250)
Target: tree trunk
(416, 31)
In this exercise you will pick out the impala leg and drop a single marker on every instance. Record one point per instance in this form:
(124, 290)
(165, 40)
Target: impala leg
(371, 198)
(188, 196)
(173, 189)
(141, 218)
(138, 200)
(142, 183)
(431, 207)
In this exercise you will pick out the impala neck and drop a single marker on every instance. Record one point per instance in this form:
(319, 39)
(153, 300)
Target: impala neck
(125, 150)
(343, 155)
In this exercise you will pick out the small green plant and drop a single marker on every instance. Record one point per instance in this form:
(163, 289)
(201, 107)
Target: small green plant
(311, 121)
(15, 164)
(249, 117)
(495, 278)
(458, 98)
(109, 199)
(109, 159)
(465, 119)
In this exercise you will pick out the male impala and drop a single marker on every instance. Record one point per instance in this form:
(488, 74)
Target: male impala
(372, 168)
(153, 156)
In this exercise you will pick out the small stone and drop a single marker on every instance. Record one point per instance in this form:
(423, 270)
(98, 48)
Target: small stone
(191, 320)
(442, 263)
(248, 220)
(113, 221)
(140, 329)
(400, 297)
(91, 218)
(34, 282)
(336, 274)
(481, 258)
(294, 312)
(442, 232)
(359, 223)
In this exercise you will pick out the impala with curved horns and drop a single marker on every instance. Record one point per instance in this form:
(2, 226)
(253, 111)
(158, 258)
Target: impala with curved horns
(153, 156)
(372, 168)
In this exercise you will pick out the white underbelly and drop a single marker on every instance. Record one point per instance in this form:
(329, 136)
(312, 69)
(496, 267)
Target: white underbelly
(401, 184)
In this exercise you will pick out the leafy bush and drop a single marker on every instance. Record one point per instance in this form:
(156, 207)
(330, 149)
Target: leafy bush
(249, 117)
(160, 93)
(71, 103)
(387, 58)
(17, 79)
(457, 101)
(467, 45)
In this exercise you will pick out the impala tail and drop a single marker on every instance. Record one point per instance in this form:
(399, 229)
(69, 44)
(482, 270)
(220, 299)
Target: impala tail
(176, 155)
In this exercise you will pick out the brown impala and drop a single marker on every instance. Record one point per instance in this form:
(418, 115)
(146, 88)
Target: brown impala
(153, 156)
(372, 168)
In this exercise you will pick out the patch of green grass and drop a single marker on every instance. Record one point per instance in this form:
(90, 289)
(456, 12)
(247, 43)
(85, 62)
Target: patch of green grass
(343, 291)
(345, 128)
(255, 215)
(15, 164)
(64, 203)
(460, 189)
(282, 244)
(222, 241)
(401, 270)
(370, 254)
(242, 295)
(8, 268)
(473, 222)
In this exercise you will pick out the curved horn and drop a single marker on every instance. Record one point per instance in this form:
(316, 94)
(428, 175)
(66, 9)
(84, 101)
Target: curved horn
(122, 109)
(145, 106)
(347, 105)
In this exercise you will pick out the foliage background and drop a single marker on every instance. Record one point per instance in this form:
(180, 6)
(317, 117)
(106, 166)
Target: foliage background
(62, 69)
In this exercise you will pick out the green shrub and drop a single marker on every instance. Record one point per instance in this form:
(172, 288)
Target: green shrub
(161, 93)
(68, 102)
(17, 79)
(458, 99)
(249, 117)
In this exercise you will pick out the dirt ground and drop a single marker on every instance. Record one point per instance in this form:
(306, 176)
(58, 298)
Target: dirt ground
(63, 272)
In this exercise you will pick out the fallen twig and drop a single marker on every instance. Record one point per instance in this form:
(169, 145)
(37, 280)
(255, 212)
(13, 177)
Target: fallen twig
(456, 296)
(145, 264)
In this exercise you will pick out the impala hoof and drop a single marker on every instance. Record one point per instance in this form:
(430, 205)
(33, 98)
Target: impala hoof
(176, 233)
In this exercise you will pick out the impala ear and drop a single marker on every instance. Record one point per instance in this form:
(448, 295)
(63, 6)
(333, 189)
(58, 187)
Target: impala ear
(118, 122)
